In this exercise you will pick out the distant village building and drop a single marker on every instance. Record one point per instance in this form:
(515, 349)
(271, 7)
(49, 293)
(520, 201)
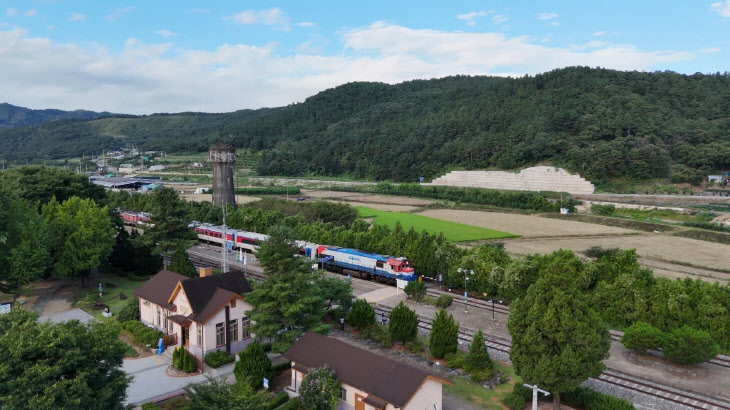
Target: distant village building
(368, 380)
(715, 178)
(154, 168)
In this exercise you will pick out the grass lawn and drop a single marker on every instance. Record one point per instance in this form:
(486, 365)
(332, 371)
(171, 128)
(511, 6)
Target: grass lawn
(467, 390)
(111, 295)
(453, 231)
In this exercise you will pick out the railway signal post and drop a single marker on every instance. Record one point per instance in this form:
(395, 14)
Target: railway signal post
(536, 389)
(467, 272)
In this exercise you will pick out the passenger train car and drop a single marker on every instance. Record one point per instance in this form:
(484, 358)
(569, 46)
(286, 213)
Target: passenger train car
(332, 258)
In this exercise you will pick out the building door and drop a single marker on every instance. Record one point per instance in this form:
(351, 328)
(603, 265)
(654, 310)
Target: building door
(359, 404)
(186, 336)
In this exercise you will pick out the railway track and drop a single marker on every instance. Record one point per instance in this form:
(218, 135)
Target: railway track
(690, 400)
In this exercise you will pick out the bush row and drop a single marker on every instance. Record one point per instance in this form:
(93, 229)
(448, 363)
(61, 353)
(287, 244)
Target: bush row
(142, 334)
(684, 344)
(581, 397)
(218, 358)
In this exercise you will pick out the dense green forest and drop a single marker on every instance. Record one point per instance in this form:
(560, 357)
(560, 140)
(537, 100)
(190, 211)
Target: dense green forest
(11, 115)
(604, 124)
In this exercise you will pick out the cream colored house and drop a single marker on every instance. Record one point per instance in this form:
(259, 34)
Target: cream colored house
(196, 310)
(368, 381)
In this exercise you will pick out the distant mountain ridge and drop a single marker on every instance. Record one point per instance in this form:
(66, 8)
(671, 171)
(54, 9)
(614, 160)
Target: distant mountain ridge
(607, 125)
(12, 115)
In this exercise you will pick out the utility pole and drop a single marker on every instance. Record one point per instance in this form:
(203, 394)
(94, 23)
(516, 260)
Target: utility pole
(466, 272)
(224, 251)
(536, 389)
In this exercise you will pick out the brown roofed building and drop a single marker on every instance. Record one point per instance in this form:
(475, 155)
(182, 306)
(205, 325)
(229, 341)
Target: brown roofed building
(368, 381)
(197, 310)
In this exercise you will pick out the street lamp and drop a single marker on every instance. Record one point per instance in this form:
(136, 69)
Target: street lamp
(466, 273)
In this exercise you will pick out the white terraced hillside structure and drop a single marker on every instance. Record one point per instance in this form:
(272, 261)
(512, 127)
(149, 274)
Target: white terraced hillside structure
(529, 179)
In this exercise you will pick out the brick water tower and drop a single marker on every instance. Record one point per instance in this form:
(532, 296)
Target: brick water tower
(223, 156)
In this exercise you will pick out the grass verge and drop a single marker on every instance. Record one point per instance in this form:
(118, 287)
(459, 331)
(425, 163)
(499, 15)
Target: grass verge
(111, 294)
(453, 231)
(617, 222)
(467, 390)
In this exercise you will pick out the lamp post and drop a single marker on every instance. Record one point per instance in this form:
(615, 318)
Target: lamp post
(466, 272)
(535, 390)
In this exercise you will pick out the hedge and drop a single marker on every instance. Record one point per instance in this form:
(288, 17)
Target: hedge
(588, 399)
(141, 333)
(218, 358)
(278, 400)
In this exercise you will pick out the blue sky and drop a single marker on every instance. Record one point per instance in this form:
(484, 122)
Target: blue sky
(165, 56)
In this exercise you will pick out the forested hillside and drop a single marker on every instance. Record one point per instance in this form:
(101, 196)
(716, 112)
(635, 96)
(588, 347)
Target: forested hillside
(11, 115)
(604, 124)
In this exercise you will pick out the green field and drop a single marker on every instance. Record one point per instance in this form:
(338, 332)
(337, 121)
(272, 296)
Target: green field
(453, 231)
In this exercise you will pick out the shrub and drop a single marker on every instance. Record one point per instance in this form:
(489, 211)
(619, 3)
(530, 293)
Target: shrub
(444, 335)
(320, 389)
(188, 361)
(455, 360)
(641, 337)
(130, 311)
(517, 398)
(361, 315)
(478, 376)
(588, 399)
(689, 346)
(444, 301)
(293, 404)
(415, 347)
(218, 358)
(142, 334)
(478, 359)
(603, 210)
(379, 334)
(253, 365)
(150, 406)
(278, 400)
(415, 290)
(403, 323)
(176, 358)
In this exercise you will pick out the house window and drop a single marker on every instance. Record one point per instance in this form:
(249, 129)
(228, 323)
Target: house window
(343, 393)
(233, 326)
(159, 315)
(200, 335)
(220, 335)
(245, 324)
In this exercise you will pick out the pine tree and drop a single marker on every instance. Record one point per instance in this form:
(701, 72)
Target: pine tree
(362, 314)
(180, 262)
(558, 340)
(444, 334)
(478, 359)
(403, 324)
(253, 365)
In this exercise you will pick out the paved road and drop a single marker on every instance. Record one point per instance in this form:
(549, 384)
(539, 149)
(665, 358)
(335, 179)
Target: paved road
(150, 380)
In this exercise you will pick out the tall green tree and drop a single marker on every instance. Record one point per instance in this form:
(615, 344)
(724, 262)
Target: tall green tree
(288, 302)
(181, 263)
(24, 244)
(64, 366)
(320, 389)
(38, 184)
(277, 256)
(478, 362)
(169, 222)
(444, 337)
(217, 394)
(253, 365)
(558, 340)
(336, 291)
(403, 324)
(82, 235)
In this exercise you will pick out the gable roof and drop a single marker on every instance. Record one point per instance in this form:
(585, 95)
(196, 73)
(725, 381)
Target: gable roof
(200, 291)
(158, 289)
(379, 376)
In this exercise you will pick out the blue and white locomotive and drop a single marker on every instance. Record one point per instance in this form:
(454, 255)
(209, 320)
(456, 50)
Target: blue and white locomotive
(365, 264)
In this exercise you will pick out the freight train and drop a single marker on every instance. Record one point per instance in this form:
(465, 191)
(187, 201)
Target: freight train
(332, 258)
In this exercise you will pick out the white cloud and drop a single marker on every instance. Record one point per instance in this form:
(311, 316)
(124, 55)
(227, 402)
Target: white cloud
(11, 12)
(307, 24)
(161, 77)
(555, 23)
(119, 13)
(721, 8)
(499, 19)
(269, 17)
(547, 16)
(166, 33)
(469, 18)
(76, 17)
(599, 33)
(710, 50)
(30, 13)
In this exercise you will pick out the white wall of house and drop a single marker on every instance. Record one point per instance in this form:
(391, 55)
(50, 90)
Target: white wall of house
(182, 304)
(427, 396)
(236, 313)
(148, 316)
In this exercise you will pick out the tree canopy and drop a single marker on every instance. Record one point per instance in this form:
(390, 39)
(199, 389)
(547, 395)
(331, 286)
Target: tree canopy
(320, 389)
(65, 366)
(558, 340)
